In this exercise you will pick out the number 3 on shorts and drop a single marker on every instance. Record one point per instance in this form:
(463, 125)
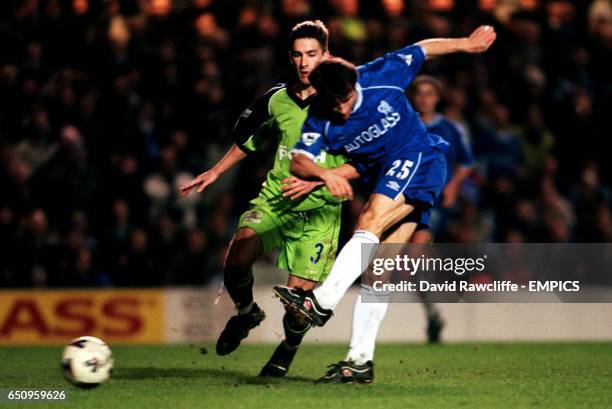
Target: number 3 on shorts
(319, 249)
(404, 171)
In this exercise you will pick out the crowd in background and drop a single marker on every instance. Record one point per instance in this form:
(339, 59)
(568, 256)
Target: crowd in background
(106, 106)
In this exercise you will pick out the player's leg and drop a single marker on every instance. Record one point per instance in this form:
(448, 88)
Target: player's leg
(295, 282)
(243, 250)
(406, 183)
(358, 365)
(295, 324)
(379, 214)
(367, 316)
(257, 232)
(428, 185)
(309, 258)
(423, 236)
(295, 327)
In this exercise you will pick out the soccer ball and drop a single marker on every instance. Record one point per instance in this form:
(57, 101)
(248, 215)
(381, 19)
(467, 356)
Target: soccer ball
(87, 362)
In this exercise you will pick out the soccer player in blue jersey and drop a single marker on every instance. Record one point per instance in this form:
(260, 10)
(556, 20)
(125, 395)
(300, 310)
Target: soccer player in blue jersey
(363, 113)
(425, 94)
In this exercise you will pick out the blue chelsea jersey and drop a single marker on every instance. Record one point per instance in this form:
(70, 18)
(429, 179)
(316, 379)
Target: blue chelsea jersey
(383, 125)
(459, 152)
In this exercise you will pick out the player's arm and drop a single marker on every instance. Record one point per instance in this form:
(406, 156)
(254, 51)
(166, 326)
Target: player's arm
(398, 68)
(452, 188)
(335, 180)
(347, 171)
(479, 41)
(233, 156)
(303, 165)
(246, 140)
(295, 187)
(465, 163)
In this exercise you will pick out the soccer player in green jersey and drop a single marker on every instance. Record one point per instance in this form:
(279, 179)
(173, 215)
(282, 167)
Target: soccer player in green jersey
(303, 226)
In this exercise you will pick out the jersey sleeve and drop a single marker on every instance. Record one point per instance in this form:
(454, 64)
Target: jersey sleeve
(245, 133)
(313, 138)
(397, 68)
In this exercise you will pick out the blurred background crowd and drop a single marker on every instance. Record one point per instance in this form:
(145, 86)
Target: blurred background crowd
(106, 106)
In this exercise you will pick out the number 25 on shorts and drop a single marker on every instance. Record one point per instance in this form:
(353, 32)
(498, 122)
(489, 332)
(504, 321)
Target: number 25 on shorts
(404, 171)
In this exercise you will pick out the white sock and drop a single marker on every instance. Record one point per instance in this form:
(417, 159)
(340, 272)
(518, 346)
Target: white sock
(347, 267)
(367, 317)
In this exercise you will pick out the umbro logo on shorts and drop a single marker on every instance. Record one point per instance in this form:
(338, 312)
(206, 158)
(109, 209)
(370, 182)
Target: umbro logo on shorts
(393, 185)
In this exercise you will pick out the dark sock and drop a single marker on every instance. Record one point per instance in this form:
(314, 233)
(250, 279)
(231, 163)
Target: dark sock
(430, 309)
(294, 330)
(239, 285)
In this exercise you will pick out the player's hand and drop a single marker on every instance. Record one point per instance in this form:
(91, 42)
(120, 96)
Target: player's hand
(337, 185)
(449, 195)
(481, 39)
(200, 182)
(295, 188)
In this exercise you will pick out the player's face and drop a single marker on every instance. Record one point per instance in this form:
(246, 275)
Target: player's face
(343, 108)
(425, 99)
(305, 55)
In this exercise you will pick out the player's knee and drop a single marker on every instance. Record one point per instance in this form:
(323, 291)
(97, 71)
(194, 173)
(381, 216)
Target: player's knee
(245, 233)
(244, 249)
(370, 219)
(303, 283)
(370, 223)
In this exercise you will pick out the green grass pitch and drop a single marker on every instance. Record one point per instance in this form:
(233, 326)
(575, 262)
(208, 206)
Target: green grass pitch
(513, 375)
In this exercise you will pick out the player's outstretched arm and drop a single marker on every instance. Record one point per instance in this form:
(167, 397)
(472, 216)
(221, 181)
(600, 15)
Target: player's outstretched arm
(233, 156)
(337, 184)
(479, 41)
(295, 187)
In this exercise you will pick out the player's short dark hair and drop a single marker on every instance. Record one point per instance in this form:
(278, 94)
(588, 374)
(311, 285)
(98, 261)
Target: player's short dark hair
(310, 29)
(427, 79)
(334, 79)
